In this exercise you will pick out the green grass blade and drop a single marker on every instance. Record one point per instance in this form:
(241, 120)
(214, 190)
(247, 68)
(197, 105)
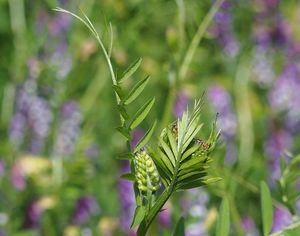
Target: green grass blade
(139, 215)
(266, 208)
(179, 230)
(223, 222)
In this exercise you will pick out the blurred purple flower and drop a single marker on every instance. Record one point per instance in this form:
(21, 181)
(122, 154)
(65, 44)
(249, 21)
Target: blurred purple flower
(285, 96)
(136, 137)
(127, 200)
(32, 114)
(249, 227)
(92, 151)
(221, 103)
(86, 206)
(17, 129)
(17, 177)
(32, 215)
(181, 103)
(223, 31)
(164, 216)
(281, 218)
(262, 68)
(278, 141)
(69, 128)
(59, 24)
(2, 167)
(194, 205)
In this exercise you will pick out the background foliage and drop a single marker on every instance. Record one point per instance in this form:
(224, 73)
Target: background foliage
(59, 172)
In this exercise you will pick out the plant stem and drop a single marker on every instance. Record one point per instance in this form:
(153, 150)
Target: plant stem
(197, 38)
(161, 200)
(187, 57)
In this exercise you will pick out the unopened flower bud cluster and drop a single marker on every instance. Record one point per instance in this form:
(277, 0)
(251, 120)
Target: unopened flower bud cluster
(147, 177)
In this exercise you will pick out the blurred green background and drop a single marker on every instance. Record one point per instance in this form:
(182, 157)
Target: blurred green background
(59, 172)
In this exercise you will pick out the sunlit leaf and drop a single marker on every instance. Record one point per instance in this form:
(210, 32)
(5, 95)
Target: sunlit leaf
(266, 208)
(136, 91)
(131, 69)
(223, 222)
(142, 113)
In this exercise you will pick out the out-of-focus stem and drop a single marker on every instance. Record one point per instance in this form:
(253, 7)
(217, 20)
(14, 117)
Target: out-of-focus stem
(244, 114)
(197, 38)
(181, 74)
(18, 26)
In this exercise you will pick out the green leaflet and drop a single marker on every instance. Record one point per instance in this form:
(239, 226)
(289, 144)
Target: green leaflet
(131, 69)
(145, 138)
(136, 91)
(128, 176)
(124, 131)
(118, 90)
(139, 215)
(179, 230)
(125, 156)
(142, 113)
(223, 222)
(123, 112)
(266, 207)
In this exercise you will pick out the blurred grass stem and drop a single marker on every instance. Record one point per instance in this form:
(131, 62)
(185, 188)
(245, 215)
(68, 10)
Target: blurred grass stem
(18, 26)
(197, 39)
(188, 57)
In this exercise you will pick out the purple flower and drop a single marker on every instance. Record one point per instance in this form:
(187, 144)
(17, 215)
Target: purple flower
(17, 177)
(278, 141)
(17, 129)
(2, 167)
(249, 227)
(281, 219)
(285, 96)
(59, 24)
(262, 68)
(164, 216)
(32, 115)
(194, 205)
(180, 105)
(69, 129)
(223, 31)
(32, 215)
(137, 135)
(86, 206)
(92, 151)
(221, 102)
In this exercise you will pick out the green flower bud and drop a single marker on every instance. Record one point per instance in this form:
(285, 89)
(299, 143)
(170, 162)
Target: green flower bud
(147, 177)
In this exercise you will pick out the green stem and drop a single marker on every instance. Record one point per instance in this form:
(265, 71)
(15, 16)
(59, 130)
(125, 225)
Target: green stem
(197, 38)
(18, 26)
(161, 200)
(187, 58)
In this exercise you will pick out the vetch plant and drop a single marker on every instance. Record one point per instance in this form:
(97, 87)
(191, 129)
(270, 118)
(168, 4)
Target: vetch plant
(176, 160)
